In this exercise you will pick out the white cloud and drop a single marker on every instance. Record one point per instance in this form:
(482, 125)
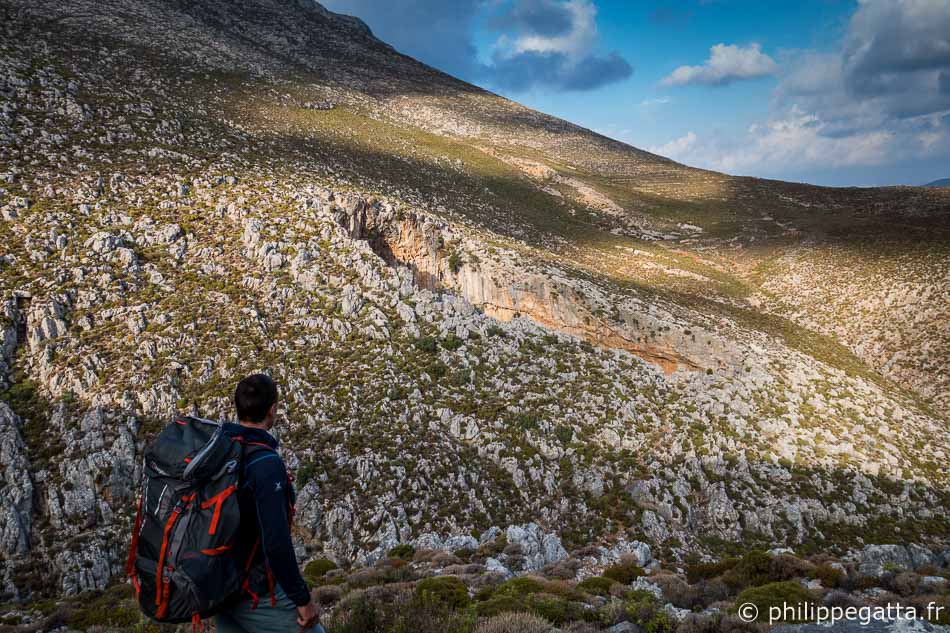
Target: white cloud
(880, 100)
(726, 64)
(548, 44)
(552, 43)
(796, 140)
(893, 64)
(575, 43)
(677, 149)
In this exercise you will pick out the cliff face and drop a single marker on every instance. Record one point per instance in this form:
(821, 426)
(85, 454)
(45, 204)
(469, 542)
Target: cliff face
(506, 290)
(458, 318)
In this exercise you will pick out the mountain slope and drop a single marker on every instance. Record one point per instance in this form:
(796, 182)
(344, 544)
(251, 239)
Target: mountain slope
(943, 182)
(480, 315)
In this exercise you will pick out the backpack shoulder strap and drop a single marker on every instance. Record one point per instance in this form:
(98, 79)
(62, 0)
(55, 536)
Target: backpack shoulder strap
(257, 451)
(251, 452)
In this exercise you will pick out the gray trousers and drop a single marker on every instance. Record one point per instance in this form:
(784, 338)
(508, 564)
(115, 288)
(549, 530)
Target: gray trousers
(281, 618)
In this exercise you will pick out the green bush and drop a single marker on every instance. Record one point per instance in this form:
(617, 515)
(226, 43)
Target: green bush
(752, 570)
(789, 567)
(624, 572)
(431, 617)
(554, 609)
(437, 370)
(564, 434)
(455, 262)
(830, 577)
(465, 554)
(524, 586)
(520, 587)
(643, 608)
(596, 585)
(359, 616)
(403, 551)
(446, 590)
(705, 571)
(775, 594)
(485, 592)
(452, 342)
(498, 604)
(427, 344)
(319, 567)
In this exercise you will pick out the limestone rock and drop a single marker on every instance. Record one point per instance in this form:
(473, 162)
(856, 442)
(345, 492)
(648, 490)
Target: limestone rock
(16, 494)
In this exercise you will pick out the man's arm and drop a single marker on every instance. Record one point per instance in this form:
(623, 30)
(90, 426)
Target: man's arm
(269, 480)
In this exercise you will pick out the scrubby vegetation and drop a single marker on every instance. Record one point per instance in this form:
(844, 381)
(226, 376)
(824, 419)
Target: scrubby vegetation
(702, 598)
(314, 571)
(624, 572)
(776, 595)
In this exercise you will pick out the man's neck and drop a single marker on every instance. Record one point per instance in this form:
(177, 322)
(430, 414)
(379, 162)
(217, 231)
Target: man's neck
(255, 425)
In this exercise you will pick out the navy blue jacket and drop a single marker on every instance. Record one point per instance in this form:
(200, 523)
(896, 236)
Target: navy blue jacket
(266, 496)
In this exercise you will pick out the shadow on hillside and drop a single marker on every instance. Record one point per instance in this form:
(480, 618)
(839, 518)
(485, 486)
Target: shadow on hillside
(293, 40)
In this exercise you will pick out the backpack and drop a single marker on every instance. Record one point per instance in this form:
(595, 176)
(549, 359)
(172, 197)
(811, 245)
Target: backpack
(188, 516)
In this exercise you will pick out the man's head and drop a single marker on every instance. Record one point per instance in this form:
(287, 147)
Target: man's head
(255, 399)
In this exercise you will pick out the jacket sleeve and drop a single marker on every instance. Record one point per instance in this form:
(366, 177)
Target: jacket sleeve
(268, 479)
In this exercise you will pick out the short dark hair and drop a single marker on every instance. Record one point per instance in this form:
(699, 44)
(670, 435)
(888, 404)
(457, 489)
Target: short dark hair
(253, 398)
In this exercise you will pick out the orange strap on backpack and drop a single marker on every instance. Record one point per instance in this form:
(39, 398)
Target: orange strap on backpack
(218, 502)
(133, 549)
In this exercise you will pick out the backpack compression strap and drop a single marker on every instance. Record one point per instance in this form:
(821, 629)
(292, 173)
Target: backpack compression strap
(162, 586)
(133, 548)
(218, 502)
(246, 585)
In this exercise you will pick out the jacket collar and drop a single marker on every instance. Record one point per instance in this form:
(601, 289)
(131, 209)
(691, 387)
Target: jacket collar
(250, 434)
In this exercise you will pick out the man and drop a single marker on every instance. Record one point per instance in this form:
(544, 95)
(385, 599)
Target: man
(275, 596)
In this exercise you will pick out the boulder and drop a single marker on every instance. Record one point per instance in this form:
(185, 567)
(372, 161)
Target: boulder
(921, 556)
(494, 565)
(874, 560)
(429, 540)
(642, 584)
(455, 543)
(352, 301)
(103, 243)
(490, 535)
(16, 493)
(639, 551)
(538, 548)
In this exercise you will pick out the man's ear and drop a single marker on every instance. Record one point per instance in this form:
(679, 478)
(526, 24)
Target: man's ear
(272, 412)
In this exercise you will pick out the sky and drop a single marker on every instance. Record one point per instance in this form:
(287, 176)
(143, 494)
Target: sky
(831, 92)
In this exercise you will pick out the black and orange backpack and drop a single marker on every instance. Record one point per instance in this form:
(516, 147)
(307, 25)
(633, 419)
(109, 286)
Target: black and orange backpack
(180, 560)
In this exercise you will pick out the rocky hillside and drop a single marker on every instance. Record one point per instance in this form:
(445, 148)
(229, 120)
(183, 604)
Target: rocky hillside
(481, 317)
(464, 585)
